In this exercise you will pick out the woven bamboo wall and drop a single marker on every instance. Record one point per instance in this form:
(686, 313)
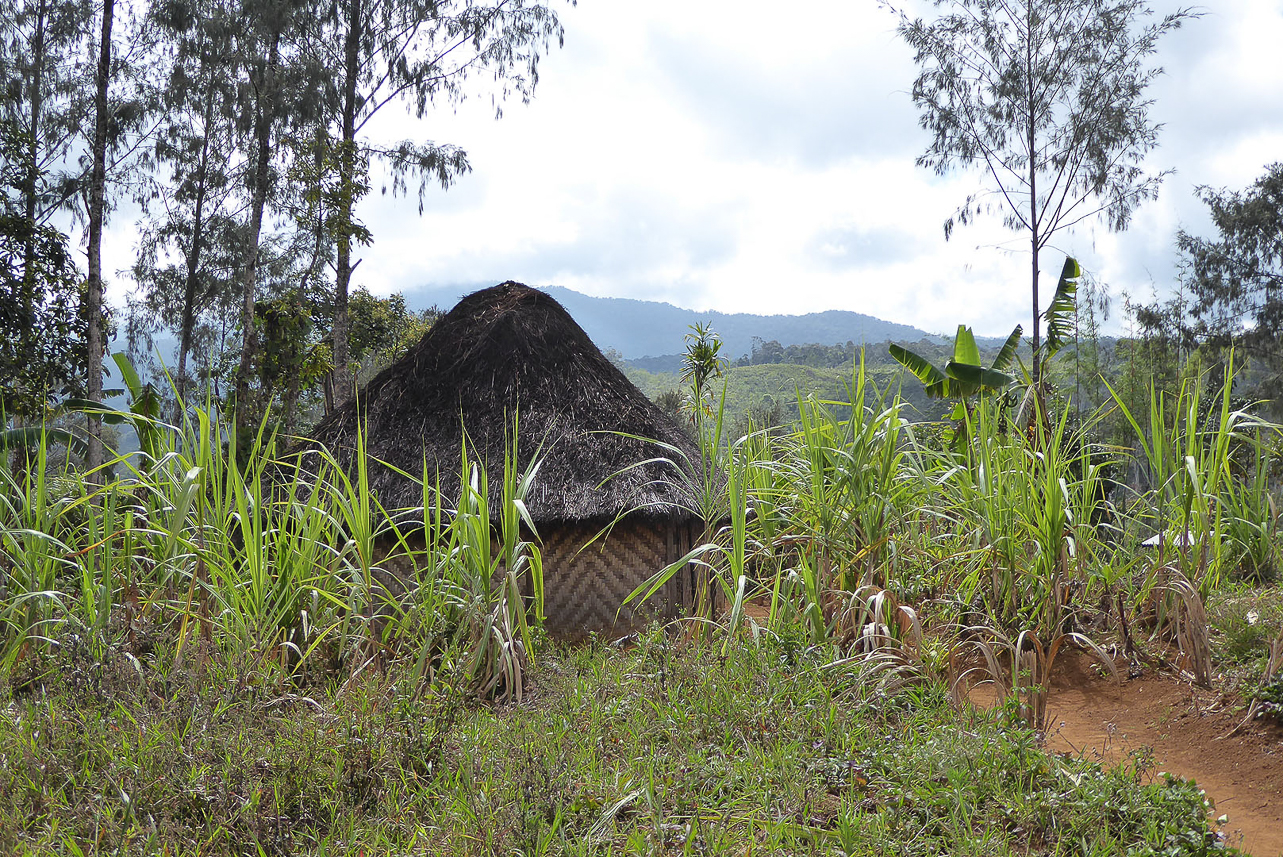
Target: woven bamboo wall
(585, 588)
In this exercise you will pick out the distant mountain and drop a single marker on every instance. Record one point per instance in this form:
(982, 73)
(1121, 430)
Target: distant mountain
(639, 329)
(649, 335)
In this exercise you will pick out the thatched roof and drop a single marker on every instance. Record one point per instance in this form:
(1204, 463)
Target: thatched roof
(502, 349)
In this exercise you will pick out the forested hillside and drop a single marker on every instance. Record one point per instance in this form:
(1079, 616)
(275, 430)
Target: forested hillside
(770, 392)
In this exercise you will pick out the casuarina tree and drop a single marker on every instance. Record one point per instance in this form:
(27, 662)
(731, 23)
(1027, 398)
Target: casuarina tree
(121, 103)
(423, 53)
(190, 245)
(1049, 100)
(97, 216)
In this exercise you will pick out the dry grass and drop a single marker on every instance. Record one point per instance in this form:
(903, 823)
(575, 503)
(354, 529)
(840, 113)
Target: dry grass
(1020, 668)
(1189, 626)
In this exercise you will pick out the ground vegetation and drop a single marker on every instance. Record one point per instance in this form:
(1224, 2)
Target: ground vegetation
(162, 630)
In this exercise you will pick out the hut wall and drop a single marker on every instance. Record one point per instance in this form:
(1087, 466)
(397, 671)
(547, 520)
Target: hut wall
(585, 588)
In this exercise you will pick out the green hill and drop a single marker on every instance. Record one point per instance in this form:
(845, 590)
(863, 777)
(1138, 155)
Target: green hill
(780, 384)
(637, 328)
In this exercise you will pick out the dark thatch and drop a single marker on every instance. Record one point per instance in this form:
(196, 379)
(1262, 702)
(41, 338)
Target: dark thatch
(510, 349)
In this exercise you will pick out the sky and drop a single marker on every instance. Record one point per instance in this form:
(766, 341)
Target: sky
(746, 156)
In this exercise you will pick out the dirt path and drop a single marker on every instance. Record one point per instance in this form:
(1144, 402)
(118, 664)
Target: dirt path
(1243, 775)
(1093, 716)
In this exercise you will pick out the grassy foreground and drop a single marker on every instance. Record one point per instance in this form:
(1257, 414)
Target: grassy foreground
(197, 657)
(667, 747)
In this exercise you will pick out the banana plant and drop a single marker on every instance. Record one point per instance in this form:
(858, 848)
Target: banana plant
(1060, 316)
(963, 376)
(143, 415)
(144, 408)
(1061, 330)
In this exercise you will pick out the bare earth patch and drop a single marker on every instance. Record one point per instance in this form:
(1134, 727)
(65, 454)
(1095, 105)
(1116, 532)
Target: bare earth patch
(1184, 726)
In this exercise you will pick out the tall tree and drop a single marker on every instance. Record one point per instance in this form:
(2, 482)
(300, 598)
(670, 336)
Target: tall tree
(262, 53)
(122, 101)
(423, 52)
(1236, 279)
(188, 250)
(280, 83)
(42, 103)
(97, 215)
(1048, 99)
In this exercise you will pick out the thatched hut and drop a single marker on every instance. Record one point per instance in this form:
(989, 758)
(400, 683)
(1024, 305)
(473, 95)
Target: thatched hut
(513, 349)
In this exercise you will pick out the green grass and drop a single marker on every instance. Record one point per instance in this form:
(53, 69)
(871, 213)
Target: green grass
(665, 748)
(195, 661)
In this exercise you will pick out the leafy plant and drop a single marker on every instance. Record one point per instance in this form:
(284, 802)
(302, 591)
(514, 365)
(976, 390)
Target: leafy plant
(963, 376)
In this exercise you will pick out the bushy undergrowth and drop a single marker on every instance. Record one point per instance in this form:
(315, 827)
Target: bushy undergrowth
(667, 747)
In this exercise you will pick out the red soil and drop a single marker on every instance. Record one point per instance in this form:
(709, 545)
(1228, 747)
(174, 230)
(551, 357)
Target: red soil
(1185, 727)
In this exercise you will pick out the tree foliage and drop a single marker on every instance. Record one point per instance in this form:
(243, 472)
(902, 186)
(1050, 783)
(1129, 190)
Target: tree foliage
(701, 365)
(191, 243)
(44, 97)
(1236, 279)
(813, 354)
(423, 53)
(42, 106)
(964, 375)
(42, 331)
(382, 330)
(1048, 98)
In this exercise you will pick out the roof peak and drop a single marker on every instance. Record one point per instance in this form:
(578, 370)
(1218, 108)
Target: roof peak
(501, 350)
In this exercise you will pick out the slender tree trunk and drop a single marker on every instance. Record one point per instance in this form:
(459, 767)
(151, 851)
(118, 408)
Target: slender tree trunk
(1030, 108)
(347, 167)
(97, 214)
(32, 178)
(195, 245)
(249, 272)
(1037, 368)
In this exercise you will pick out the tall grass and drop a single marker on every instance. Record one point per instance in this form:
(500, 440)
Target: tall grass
(1027, 507)
(294, 563)
(284, 561)
(804, 515)
(1011, 535)
(35, 557)
(1194, 500)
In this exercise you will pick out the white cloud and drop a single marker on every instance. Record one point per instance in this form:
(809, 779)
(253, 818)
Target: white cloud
(748, 156)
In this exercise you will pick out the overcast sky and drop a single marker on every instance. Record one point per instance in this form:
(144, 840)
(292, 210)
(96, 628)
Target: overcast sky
(752, 156)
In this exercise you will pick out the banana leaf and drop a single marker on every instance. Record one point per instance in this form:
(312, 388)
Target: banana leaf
(29, 437)
(964, 347)
(1008, 353)
(1060, 315)
(972, 379)
(917, 364)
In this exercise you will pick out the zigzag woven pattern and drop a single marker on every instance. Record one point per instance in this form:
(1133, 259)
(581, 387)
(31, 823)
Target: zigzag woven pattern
(585, 589)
